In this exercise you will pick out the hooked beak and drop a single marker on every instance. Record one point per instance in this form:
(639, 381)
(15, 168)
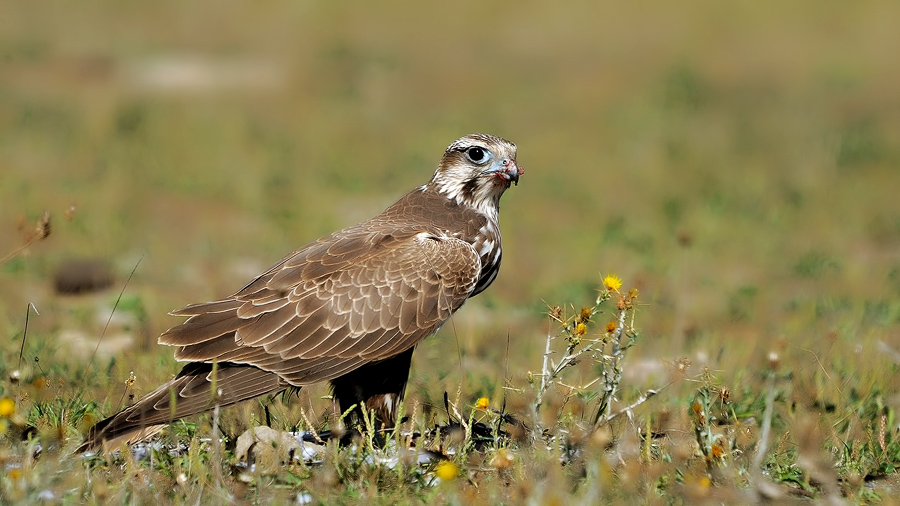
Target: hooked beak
(508, 171)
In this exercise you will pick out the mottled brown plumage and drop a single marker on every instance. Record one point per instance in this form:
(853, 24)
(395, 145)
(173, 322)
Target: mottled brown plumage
(348, 308)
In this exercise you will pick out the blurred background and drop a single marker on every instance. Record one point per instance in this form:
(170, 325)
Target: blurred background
(737, 163)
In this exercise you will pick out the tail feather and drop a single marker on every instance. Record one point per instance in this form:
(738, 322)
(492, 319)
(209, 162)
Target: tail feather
(195, 390)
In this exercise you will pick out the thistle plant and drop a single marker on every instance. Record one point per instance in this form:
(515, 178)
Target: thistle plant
(606, 348)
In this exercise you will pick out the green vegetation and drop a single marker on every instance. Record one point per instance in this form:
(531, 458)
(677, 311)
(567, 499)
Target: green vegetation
(737, 165)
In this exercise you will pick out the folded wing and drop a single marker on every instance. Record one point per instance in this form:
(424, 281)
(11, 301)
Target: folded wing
(349, 299)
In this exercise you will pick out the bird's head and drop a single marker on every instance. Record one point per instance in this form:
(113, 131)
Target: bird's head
(476, 170)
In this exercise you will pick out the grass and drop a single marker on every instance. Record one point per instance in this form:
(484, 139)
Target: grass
(736, 166)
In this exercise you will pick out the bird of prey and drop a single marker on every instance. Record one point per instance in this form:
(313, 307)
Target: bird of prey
(348, 308)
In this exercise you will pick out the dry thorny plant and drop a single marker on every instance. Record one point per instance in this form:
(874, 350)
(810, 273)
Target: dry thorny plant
(606, 349)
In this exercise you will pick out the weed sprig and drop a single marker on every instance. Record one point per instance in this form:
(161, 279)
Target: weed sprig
(606, 348)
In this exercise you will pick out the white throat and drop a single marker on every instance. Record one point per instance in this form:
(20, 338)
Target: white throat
(485, 200)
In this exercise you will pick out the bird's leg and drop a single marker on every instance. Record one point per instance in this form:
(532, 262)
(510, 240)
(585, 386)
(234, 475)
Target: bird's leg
(379, 386)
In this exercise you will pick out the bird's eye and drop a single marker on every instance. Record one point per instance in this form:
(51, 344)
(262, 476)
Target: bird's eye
(477, 154)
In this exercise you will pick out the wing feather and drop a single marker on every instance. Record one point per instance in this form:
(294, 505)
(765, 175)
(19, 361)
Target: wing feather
(261, 306)
(203, 327)
(265, 325)
(218, 306)
(346, 300)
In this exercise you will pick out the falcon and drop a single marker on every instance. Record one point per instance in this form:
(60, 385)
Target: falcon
(348, 308)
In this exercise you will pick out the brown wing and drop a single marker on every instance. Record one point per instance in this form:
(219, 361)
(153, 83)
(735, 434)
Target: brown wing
(346, 300)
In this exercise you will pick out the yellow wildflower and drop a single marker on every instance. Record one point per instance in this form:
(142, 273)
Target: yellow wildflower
(586, 314)
(446, 470)
(611, 326)
(503, 459)
(612, 283)
(483, 403)
(7, 407)
(718, 451)
(580, 329)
